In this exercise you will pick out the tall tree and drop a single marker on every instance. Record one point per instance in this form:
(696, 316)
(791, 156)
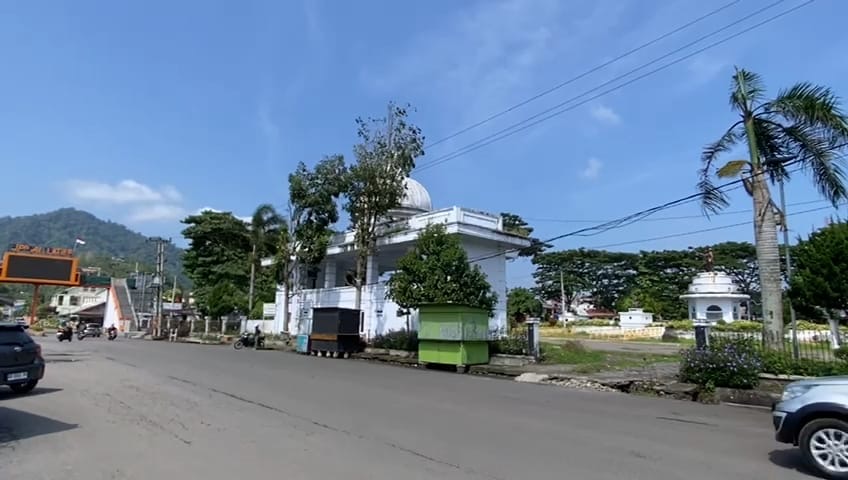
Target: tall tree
(522, 303)
(804, 123)
(607, 276)
(218, 256)
(302, 243)
(516, 225)
(819, 285)
(437, 271)
(263, 226)
(374, 186)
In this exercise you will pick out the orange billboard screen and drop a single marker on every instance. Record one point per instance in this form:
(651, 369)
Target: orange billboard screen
(48, 270)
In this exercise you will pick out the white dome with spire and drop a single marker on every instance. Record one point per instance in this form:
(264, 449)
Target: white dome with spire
(415, 201)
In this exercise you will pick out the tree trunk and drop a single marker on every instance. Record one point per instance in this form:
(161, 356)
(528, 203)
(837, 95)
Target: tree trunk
(223, 325)
(206, 325)
(252, 282)
(835, 334)
(768, 257)
(357, 283)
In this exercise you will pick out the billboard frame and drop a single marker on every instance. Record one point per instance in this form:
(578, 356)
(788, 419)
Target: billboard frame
(71, 282)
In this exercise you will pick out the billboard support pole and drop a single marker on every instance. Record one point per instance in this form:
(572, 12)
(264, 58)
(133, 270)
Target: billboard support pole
(33, 311)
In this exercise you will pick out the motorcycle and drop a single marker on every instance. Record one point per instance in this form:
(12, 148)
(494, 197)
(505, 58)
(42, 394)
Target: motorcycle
(112, 334)
(65, 334)
(247, 340)
(81, 334)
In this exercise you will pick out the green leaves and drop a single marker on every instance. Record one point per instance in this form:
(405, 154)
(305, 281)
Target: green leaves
(820, 278)
(374, 185)
(522, 303)
(516, 225)
(437, 271)
(218, 257)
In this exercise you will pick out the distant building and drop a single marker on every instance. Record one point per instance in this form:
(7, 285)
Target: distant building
(72, 300)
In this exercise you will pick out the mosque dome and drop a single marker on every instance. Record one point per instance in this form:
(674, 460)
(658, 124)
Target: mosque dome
(415, 201)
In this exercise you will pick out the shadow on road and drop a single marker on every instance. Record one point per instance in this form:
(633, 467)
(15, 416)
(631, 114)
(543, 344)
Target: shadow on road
(6, 394)
(18, 425)
(791, 459)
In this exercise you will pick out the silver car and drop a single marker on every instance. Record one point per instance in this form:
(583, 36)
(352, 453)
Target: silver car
(813, 415)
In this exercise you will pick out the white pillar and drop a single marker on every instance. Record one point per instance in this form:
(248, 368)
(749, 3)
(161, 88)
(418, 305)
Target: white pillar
(329, 273)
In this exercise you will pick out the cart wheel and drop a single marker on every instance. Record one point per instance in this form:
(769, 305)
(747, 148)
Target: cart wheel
(314, 353)
(462, 369)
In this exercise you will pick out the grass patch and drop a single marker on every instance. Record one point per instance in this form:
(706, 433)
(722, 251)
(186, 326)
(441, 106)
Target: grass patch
(593, 361)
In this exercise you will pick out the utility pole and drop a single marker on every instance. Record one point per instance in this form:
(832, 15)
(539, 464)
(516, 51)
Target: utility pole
(562, 295)
(252, 281)
(785, 225)
(159, 285)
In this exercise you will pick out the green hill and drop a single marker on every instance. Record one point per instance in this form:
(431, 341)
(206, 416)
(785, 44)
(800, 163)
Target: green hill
(109, 245)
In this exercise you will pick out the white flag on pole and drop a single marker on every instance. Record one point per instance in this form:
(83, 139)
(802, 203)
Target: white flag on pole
(79, 241)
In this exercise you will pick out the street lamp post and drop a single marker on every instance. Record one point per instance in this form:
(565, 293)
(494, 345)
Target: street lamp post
(788, 259)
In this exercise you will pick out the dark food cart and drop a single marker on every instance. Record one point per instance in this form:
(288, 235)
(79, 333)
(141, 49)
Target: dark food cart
(335, 332)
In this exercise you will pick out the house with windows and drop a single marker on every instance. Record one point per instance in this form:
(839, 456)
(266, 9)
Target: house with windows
(75, 299)
(331, 285)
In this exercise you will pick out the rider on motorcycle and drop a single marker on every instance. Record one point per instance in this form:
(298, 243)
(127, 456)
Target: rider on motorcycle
(112, 330)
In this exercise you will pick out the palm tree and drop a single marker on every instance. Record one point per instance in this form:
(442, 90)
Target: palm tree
(803, 127)
(264, 227)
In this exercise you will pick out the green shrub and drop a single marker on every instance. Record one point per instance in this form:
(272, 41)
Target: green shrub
(841, 353)
(513, 344)
(730, 363)
(782, 363)
(680, 325)
(397, 340)
(591, 323)
(739, 326)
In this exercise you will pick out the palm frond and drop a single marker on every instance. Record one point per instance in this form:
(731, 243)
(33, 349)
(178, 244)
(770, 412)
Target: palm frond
(723, 145)
(746, 90)
(813, 106)
(817, 155)
(733, 169)
(713, 199)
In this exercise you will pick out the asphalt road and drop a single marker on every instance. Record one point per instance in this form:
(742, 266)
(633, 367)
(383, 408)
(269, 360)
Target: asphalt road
(143, 410)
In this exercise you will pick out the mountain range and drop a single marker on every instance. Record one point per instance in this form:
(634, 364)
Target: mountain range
(109, 245)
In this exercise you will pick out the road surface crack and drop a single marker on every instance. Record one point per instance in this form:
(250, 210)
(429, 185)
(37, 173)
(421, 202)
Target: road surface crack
(325, 426)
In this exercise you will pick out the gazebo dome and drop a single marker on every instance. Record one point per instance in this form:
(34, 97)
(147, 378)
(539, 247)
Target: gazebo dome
(415, 201)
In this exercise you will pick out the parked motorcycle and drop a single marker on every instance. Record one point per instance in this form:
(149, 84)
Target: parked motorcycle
(247, 340)
(65, 333)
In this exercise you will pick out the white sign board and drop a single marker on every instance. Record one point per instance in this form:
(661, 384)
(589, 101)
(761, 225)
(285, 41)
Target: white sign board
(269, 309)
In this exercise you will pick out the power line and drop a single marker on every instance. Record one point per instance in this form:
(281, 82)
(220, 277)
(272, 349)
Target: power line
(704, 230)
(626, 220)
(661, 219)
(542, 117)
(586, 73)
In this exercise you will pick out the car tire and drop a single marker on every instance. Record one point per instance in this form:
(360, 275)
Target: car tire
(21, 388)
(817, 430)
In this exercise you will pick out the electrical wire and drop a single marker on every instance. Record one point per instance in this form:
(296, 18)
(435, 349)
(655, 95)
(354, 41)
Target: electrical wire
(626, 220)
(705, 230)
(585, 74)
(662, 219)
(553, 112)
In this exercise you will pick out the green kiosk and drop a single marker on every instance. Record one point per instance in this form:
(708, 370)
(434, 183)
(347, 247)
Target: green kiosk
(453, 334)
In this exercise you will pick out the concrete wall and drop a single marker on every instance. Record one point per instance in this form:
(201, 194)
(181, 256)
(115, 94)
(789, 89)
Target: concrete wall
(727, 308)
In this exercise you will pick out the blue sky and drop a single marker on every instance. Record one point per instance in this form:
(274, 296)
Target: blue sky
(142, 112)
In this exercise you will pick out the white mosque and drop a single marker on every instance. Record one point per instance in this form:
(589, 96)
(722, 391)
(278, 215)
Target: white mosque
(482, 236)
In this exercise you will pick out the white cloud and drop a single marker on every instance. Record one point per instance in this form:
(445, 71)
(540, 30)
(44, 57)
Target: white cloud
(592, 169)
(606, 115)
(704, 69)
(123, 192)
(157, 213)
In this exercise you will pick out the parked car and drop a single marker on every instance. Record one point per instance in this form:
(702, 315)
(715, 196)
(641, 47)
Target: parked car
(92, 330)
(813, 415)
(21, 363)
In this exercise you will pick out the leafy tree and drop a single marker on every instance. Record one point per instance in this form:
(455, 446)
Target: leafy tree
(522, 303)
(218, 256)
(437, 271)
(516, 225)
(264, 224)
(374, 185)
(819, 286)
(607, 276)
(804, 123)
(302, 243)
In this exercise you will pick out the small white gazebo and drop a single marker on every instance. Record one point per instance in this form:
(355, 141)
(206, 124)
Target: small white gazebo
(714, 296)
